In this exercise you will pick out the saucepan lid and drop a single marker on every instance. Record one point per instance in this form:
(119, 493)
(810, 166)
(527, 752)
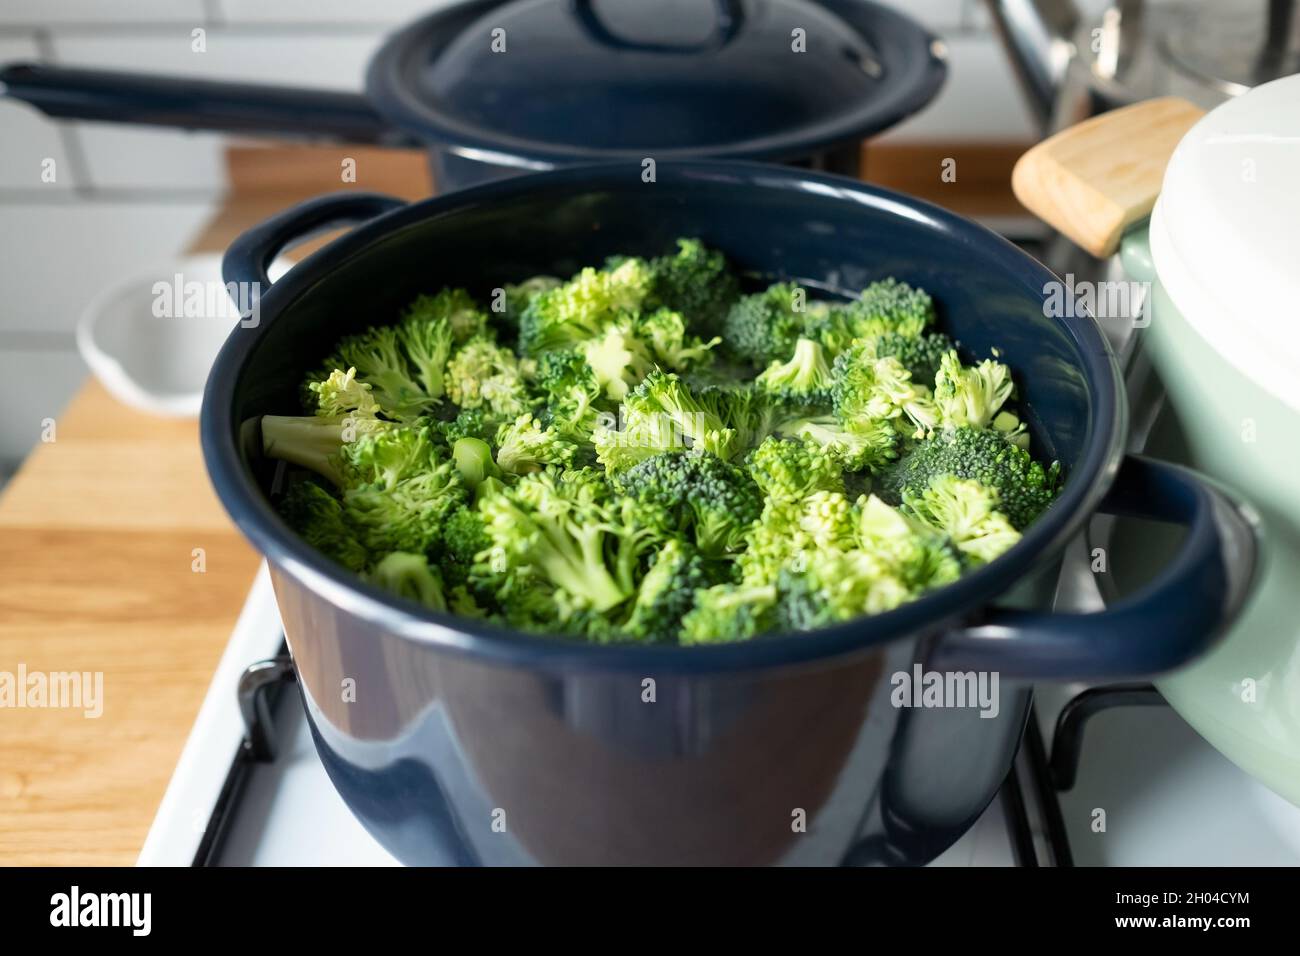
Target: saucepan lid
(535, 82)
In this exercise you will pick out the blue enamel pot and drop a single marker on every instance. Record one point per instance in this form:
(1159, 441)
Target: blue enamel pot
(458, 742)
(493, 88)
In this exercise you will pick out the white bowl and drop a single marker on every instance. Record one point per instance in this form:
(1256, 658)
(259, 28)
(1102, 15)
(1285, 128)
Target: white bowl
(152, 339)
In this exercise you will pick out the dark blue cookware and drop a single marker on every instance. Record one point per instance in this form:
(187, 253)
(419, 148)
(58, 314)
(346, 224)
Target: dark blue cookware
(496, 87)
(464, 742)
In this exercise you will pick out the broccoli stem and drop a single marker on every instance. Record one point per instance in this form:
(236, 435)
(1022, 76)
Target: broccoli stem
(309, 441)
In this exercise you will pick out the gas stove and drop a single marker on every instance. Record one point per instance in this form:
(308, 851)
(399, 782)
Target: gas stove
(1106, 775)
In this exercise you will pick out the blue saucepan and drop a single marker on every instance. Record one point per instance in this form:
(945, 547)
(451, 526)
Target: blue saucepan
(455, 741)
(495, 87)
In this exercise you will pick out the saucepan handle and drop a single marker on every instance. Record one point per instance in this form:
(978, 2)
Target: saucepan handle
(1173, 619)
(729, 15)
(248, 257)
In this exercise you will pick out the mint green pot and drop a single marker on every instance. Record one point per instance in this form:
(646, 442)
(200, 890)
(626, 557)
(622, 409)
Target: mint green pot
(1244, 696)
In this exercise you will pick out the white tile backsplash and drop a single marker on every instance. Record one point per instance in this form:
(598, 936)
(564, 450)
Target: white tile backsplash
(393, 12)
(28, 139)
(980, 101)
(34, 385)
(136, 157)
(51, 12)
(71, 251)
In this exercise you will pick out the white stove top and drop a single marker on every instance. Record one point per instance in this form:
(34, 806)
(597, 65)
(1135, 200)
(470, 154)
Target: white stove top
(1169, 798)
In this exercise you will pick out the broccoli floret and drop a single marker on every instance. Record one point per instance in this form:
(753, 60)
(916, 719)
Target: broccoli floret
(713, 501)
(665, 335)
(967, 512)
(882, 307)
(347, 411)
(483, 374)
(317, 517)
(762, 328)
(803, 381)
(667, 593)
(408, 515)
(836, 587)
(572, 394)
(464, 539)
(970, 396)
(665, 395)
(696, 282)
(380, 359)
(573, 535)
(790, 470)
(919, 355)
(751, 413)
(729, 612)
(473, 458)
(866, 390)
(455, 307)
(523, 446)
(618, 360)
(580, 309)
(789, 533)
(469, 423)
(1023, 486)
(869, 447)
(916, 554)
(518, 296)
(409, 576)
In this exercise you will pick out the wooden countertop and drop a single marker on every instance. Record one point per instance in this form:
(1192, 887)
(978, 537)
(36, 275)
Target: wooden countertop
(99, 530)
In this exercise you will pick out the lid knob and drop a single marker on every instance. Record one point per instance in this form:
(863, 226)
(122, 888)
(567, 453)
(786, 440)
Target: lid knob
(729, 16)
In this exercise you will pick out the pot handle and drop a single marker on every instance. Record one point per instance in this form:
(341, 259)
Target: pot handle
(1095, 180)
(247, 258)
(1167, 623)
(120, 97)
(729, 16)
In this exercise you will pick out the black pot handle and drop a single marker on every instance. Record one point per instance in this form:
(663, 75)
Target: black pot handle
(120, 97)
(1171, 620)
(246, 261)
(729, 17)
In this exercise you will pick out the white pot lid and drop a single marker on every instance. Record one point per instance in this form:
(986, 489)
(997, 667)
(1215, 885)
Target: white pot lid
(1225, 233)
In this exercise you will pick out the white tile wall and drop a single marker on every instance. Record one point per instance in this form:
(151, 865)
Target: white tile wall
(135, 157)
(28, 138)
(70, 251)
(327, 11)
(980, 101)
(50, 12)
(34, 385)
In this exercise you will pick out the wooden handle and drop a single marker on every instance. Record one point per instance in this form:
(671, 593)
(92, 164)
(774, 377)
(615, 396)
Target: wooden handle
(1094, 180)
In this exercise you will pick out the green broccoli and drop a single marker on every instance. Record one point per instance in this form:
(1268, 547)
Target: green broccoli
(971, 396)
(729, 612)
(869, 447)
(968, 513)
(581, 308)
(524, 446)
(802, 382)
(712, 501)
(791, 470)
(696, 282)
(920, 355)
(1024, 487)
(409, 576)
(883, 307)
(866, 390)
(613, 479)
(317, 516)
(484, 374)
(667, 593)
(763, 328)
(575, 535)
